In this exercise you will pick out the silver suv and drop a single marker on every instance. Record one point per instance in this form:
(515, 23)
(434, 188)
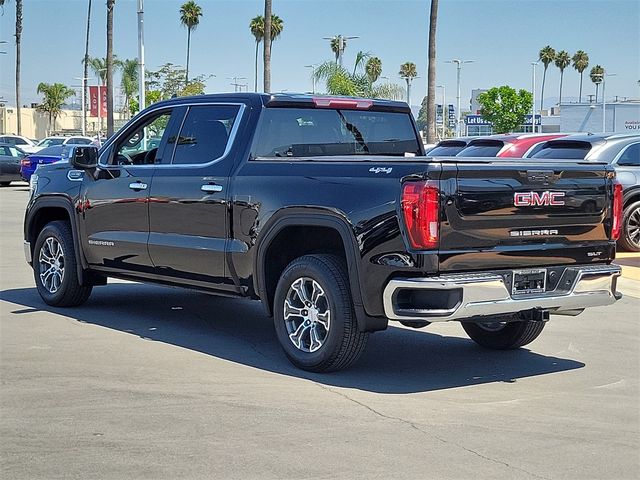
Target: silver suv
(620, 150)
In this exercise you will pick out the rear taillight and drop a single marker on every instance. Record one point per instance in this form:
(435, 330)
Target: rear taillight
(420, 206)
(616, 225)
(25, 162)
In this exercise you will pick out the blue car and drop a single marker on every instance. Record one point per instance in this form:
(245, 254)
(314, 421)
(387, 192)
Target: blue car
(57, 153)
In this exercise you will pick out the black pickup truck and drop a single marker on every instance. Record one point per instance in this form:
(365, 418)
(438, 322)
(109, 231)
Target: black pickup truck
(327, 211)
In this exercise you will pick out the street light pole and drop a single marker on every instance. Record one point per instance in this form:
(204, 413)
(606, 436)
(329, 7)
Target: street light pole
(141, 73)
(444, 109)
(533, 97)
(84, 106)
(604, 102)
(313, 76)
(458, 63)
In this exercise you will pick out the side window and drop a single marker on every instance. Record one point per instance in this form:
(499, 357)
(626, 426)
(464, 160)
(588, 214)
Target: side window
(14, 152)
(142, 146)
(205, 134)
(9, 140)
(5, 151)
(20, 141)
(631, 156)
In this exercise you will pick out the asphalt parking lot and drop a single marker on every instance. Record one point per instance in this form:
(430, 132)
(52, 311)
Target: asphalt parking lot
(151, 382)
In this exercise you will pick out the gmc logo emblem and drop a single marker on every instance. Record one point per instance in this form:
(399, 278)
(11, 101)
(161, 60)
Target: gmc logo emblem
(535, 199)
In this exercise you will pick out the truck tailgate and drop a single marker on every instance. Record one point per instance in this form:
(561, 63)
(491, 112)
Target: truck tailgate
(516, 213)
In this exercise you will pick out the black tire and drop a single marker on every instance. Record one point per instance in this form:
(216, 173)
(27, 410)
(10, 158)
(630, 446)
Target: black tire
(5, 184)
(69, 292)
(342, 343)
(503, 336)
(630, 234)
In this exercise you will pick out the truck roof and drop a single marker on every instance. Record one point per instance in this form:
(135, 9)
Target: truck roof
(301, 100)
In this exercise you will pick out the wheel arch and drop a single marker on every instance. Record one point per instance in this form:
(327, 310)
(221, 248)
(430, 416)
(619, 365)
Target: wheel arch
(47, 210)
(288, 220)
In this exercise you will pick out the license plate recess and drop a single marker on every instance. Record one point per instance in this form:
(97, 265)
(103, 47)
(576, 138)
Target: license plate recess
(526, 282)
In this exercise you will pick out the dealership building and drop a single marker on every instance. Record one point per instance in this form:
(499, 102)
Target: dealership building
(620, 117)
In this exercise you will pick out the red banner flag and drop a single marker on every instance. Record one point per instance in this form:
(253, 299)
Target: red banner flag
(96, 92)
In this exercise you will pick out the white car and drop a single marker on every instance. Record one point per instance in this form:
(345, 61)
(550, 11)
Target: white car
(53, 141)
(24, 143)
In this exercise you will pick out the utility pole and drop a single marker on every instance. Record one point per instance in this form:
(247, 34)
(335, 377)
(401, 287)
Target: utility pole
(458, 63)
(141, 72)
(237, 87)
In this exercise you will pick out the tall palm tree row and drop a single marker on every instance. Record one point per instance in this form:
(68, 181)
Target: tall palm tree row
(54, 96)
(431, 74)
(408, 72)
(547, 55)
(266, 53)
(109, 80)
(562, 61)
(596, 74)
(99, 67)
(190, 13)
(580, 63)
(257, 30)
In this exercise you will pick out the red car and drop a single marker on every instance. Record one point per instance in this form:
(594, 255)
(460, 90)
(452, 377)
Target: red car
(517, 145)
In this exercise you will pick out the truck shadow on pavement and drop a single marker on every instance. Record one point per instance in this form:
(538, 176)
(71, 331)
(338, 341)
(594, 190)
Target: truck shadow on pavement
(396, 361)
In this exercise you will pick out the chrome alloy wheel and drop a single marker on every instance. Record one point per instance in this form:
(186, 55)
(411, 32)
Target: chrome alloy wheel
(51, 264)
(307, 316)
(633, 227)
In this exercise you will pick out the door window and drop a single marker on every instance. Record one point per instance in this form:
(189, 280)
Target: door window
(205, 134)
(143, 145)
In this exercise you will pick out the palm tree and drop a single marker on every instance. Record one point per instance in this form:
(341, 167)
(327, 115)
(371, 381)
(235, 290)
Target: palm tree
(546, 56)
(54, 97)
(110, 5)
(129, 80)
(99, 68)
(597, 74)
(562, 61)
(257, 30)
(408, 72)
(334, 43)
(268, 19)
(190, 13)
(580, 63)
(340, 81)
(85, 75)
(431, 74)
(373, 68)
(18, 44)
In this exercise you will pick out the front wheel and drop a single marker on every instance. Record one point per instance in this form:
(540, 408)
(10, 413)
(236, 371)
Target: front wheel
(314, 317)
(503, 335)
(630, 235)
(54, 267)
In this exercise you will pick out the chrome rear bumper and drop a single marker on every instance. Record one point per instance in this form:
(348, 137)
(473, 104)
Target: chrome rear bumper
(486, 294)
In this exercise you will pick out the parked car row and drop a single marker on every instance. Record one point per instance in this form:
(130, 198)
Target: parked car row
(622, 151)
(32, 146)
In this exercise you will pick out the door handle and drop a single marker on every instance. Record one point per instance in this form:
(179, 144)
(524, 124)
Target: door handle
(138, 186)
(211, 188)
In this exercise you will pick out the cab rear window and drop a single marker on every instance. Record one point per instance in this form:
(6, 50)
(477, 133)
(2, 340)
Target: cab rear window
(309, 132)
(564, 150)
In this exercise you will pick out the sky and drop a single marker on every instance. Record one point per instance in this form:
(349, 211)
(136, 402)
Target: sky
(502, 37)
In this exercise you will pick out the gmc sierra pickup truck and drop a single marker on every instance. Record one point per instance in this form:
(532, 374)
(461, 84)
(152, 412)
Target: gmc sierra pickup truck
(327, 211)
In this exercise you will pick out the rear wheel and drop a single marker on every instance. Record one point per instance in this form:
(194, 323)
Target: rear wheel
(54, 267)
(503, 335)
(630, 235)
(314, 317)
